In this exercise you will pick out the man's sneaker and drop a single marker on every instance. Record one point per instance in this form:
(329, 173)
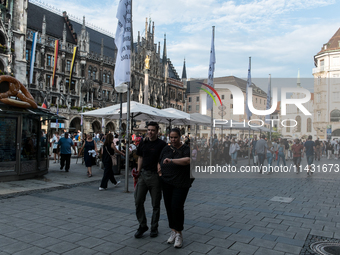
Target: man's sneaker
(178, 240)
(118, 182)
(141, 231)
(154, 232)
(172, 237)
(100, 188)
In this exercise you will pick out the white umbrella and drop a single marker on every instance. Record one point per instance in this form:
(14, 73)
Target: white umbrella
(181, 118)
(138, 111)
(197, 118)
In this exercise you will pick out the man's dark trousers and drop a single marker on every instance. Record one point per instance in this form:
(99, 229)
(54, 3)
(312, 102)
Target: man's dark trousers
(63, 158)
(148, 181)
(261, 160)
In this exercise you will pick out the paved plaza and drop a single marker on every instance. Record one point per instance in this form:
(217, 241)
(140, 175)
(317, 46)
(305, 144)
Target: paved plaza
(65, 213)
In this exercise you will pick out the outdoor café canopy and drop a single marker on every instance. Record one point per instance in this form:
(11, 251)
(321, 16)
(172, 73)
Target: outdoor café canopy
(181, 118)
(138, 111)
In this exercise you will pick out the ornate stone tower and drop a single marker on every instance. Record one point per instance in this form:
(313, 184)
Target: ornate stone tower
(13, 27)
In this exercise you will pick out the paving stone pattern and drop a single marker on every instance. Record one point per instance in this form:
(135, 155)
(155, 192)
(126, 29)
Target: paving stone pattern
(222, 216)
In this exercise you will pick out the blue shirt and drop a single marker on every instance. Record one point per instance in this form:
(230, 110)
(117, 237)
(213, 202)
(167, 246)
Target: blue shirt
(65, 144)
(309, 148)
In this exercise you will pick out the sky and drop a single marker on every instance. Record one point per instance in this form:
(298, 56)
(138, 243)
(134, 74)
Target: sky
(280, 36)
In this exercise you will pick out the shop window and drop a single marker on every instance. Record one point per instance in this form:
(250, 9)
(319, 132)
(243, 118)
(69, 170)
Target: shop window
(29, 139)
(8, 140)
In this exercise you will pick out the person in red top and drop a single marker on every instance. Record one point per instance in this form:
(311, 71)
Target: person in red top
(297, 148)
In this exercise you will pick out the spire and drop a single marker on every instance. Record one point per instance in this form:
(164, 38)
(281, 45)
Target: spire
(149, 25)
(64, 37)
(164, 61)
(298, 79)
(44, 26)
(83, 27)
(146, 28)
(184, 72)
(102, 48)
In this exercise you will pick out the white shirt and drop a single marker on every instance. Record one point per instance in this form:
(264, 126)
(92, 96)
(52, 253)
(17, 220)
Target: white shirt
(233, 147)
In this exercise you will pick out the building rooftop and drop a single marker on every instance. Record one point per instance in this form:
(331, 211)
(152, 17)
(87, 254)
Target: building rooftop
(55, 26)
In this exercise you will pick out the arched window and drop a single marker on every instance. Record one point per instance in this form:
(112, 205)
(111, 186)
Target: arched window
(109, 78)
(104, 77)
(335, 116)
(89, 73)
(94, 73)
(309, 125)
(298, 126)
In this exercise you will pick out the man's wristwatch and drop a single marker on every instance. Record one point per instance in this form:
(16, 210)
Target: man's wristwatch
(171, 160)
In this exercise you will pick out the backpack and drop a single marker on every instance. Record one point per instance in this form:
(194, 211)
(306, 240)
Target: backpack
(286, 145)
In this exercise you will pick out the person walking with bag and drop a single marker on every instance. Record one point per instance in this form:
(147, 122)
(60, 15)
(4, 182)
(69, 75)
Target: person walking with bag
(90, 151)
(108, 151)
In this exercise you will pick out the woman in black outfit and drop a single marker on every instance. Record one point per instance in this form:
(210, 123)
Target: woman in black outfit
(174, 169)
(108, 149)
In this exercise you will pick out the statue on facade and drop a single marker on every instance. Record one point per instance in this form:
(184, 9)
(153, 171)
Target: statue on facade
(147, 62)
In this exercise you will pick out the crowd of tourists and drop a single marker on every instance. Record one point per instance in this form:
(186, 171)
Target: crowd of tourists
(263, 151)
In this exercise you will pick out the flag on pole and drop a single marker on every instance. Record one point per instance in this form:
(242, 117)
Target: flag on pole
(269, 98)
(34, 45)
(75, 51)
(248, 86)
(211, 70)
(44, 105)
(56, 49)
(123, 41)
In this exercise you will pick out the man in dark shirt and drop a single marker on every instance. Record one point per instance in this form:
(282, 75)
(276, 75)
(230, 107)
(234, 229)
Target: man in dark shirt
(226, 146)
(309, 149)
(148, 153)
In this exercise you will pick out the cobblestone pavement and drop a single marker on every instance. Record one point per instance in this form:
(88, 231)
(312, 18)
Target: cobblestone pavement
(223, 215)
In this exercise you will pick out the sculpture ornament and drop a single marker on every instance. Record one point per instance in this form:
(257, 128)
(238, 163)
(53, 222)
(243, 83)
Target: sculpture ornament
(16, 89)
(147, 62)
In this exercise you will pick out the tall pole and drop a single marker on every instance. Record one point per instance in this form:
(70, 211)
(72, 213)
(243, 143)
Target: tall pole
(212, 107)
(128, 117)
(127, 140)
(120, 128)
(249, 84)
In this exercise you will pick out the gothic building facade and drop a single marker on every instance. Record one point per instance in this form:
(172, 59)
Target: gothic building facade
(92, 84)
(165, 88)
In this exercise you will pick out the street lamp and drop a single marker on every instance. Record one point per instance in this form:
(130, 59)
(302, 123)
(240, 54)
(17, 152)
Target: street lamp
(123, 88)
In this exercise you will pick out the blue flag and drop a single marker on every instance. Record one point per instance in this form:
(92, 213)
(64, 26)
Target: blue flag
(34, 44)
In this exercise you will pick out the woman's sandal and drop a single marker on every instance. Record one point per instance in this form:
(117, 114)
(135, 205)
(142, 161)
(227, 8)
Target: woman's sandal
(89, 175)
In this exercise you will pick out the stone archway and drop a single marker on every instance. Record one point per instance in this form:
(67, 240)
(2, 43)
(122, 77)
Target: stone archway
(110, 127)
(96, 126)
(75, 125)
(336, 132)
